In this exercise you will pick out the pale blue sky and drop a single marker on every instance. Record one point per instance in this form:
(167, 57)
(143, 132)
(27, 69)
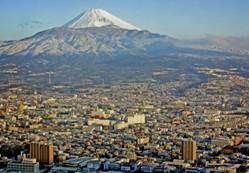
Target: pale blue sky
(177, 18)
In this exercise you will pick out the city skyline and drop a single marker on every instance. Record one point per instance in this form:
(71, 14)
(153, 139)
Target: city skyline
(178, 18)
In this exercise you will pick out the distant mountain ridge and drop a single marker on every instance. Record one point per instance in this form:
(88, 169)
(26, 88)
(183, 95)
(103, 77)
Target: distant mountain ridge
(219, 43)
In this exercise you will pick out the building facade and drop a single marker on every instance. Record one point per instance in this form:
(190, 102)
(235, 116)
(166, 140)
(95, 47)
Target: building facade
(44, 153)
(24, 167)
(189, 150)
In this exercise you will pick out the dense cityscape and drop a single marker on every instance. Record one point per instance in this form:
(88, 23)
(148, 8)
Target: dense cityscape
(128, 127)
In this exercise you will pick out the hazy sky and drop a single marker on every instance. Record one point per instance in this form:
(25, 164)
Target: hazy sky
(178, 18)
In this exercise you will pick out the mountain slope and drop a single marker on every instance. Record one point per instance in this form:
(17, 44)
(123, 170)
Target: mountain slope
(69, 41)
(98, 18)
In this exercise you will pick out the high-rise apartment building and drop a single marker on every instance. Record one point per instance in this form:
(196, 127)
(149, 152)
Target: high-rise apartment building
(189, 150)
(44, 153)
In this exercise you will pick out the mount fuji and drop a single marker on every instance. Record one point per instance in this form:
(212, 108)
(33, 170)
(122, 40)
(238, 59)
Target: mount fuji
(93, 32)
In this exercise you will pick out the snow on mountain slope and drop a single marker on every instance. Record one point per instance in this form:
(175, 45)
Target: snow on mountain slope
(98, 18)
(98, 40)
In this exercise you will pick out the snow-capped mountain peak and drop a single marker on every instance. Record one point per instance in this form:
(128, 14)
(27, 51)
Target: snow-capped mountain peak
(98, 18)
